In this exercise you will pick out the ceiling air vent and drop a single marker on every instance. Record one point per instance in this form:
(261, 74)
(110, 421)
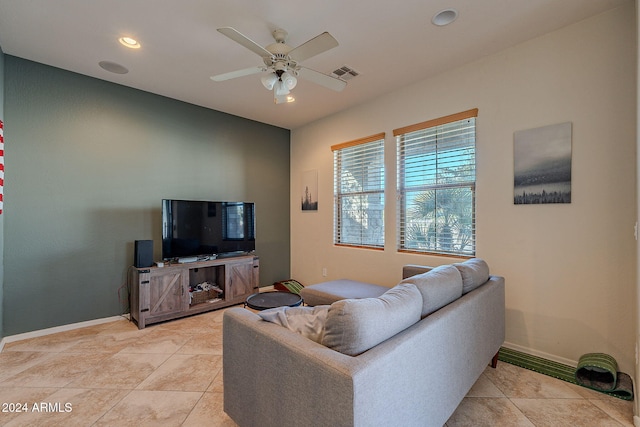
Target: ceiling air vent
(345, 73)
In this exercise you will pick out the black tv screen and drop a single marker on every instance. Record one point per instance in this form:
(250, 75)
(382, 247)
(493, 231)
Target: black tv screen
(201, 228)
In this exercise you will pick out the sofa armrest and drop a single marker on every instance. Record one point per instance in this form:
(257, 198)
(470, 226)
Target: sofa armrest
(413, 270)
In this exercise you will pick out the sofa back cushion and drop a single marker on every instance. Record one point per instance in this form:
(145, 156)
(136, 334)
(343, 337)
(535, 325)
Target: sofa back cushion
(354, 326)
(438, 287)
(474, 273)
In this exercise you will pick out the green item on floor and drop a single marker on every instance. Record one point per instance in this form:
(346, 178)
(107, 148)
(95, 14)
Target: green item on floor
(291, 285)
(596, 371)
(538, 364)
(599, 371)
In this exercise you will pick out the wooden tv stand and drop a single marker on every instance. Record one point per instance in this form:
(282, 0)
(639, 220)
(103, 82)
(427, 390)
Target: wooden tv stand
(162, 293)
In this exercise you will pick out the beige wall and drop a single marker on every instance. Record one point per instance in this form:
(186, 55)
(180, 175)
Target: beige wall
(570, 269)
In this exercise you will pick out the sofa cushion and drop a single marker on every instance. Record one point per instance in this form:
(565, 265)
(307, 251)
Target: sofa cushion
(438, 287)
(474, 273)
(336, 290)
(307, 321)
(355, 325)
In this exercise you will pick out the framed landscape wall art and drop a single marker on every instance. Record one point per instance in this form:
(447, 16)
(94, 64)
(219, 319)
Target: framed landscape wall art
(542, 165)
(309, 196)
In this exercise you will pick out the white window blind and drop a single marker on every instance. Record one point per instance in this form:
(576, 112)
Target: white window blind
(437, 185)
(358, 182)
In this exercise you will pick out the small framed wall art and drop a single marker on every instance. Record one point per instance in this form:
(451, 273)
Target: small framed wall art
(309, 193)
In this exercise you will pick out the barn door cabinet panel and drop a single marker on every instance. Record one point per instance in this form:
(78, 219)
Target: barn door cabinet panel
(241, 281)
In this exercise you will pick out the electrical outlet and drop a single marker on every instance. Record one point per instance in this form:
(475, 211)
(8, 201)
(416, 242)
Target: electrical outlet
(324, 271)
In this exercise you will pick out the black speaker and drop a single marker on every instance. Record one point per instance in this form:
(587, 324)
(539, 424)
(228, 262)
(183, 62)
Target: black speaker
(143, 253)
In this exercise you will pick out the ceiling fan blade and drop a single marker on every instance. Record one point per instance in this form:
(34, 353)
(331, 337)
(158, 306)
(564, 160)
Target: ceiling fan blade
(237, 73)
(313, 47)
(317, 77)
(245, 41)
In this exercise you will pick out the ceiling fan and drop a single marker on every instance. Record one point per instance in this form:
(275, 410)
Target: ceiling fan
(283, 62)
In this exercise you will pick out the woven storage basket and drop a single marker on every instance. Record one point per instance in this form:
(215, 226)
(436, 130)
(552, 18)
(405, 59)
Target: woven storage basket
(202, 296)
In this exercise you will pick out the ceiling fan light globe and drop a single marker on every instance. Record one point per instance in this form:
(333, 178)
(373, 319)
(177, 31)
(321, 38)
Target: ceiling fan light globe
(269, 81)
(281, 89)
(289, 81)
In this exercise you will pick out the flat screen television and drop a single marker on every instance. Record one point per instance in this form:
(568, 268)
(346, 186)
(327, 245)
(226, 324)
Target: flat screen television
(203, 228)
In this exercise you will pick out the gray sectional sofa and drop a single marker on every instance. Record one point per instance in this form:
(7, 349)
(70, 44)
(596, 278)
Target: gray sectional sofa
(405, 357)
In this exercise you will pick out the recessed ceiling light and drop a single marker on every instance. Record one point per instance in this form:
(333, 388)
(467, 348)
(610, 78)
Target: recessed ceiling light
(129, 42)
(444, 17)
(112, 67)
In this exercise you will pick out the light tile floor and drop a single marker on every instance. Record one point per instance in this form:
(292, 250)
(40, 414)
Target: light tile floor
(171, 375)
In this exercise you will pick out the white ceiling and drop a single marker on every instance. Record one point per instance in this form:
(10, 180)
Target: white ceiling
(391, 43)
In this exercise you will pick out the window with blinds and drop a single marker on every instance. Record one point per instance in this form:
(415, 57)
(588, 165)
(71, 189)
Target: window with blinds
(437, 185)
(358, 183)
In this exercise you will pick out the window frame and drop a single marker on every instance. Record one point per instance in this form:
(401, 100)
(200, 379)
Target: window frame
(339, 196)
(447, 185)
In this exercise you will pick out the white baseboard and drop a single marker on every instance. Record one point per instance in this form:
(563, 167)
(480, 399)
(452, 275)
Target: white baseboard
(541, 354)
(56, 329)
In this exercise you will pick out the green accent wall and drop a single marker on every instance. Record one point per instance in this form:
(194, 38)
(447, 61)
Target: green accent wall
(87, 164)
